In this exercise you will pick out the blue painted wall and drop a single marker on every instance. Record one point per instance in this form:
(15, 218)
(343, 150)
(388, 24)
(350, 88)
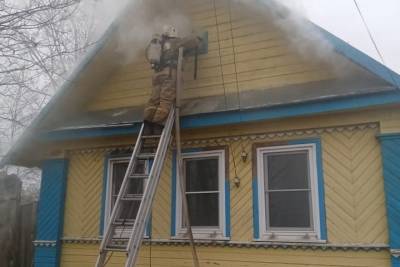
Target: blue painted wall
(390, 145)
(395, 262)
(50, 214)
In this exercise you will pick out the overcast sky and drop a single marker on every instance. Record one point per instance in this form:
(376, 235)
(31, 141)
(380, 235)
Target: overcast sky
(341, 18)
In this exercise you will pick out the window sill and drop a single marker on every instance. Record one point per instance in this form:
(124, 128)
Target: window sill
(200, 237)
(281, 241)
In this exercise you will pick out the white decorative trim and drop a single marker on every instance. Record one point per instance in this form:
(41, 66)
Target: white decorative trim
(80, 240)
(44, 243)
(245, 137)
(267, 233)
(204, 232)
(395, 253)
(252, 244)
(281, 134)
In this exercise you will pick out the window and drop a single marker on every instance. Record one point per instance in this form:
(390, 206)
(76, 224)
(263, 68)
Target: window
(204, 174)
(288, 193)
(127, 215)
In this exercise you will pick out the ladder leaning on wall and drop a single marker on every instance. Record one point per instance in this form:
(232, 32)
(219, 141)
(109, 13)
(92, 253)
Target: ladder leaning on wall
(111, 240)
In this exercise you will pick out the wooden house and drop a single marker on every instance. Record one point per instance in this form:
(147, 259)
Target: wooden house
(301, 150)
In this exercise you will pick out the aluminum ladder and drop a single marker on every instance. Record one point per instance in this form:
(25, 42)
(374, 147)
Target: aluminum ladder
(111, 242)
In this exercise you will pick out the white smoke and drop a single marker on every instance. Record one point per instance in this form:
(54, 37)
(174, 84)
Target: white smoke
(147, 17)
(143, 18)
(303, 38)
(138, 20)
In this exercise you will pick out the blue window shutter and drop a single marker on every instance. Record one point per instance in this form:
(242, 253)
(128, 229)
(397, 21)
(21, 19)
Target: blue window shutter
(104, 195)
(390, 146)
(50, 216)
(173, 195)
(227, 208)
(256, 227)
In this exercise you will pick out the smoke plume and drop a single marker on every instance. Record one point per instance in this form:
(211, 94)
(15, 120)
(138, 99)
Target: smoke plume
(138, 20)
(143, 18)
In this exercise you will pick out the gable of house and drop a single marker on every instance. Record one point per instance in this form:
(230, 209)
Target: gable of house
(252, 62)
(256, 96)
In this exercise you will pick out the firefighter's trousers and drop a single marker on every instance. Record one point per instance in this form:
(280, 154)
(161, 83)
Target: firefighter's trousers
(162, 97)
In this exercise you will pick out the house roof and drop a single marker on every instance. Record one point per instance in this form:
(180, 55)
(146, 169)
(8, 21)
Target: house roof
(97, 64)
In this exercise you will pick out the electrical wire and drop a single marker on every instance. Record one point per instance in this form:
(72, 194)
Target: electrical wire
(374, 42)
(220, 54)
(233, 159)
(150, 243)
(234, 57)
(108, 259)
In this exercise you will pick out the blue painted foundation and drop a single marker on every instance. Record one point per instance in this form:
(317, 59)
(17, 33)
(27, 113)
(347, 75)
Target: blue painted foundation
(390, 146)
(50, 216)
(395, 261)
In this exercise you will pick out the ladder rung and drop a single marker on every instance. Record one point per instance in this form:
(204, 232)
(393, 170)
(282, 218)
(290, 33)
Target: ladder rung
(122, 224)
(120, 239)
(126, 223)
(132, 198)
(151, 136)
(146, 156)
(150, 146)
(139, 176)
(116, 248)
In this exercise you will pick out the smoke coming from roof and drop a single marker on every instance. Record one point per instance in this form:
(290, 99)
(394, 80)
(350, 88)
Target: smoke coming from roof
(143, 18)
(138, 20)
(304, 39)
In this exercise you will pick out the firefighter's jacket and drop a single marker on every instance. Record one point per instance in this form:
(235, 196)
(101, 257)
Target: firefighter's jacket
(164, 80)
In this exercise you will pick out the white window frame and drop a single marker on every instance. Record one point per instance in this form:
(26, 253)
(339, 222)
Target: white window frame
(289, 235)
(204, 232)
(108, 210)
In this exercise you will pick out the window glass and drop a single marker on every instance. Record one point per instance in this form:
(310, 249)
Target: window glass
(202, 178)
(289, 209)
(201, 174)
(287, 190)
(128, 209)
(287, 170)
(203, 209)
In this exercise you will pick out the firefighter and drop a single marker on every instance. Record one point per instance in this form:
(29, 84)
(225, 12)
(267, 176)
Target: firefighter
(162, 53)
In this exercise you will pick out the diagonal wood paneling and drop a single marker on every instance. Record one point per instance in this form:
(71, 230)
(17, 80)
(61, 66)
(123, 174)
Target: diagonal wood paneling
(83, 200)
(161, 212)
(354, 196)
(241, 198)
(355, 204)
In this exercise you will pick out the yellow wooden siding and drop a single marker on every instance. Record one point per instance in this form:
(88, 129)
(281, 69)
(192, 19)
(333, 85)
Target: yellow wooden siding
(83, 196)
(354, 194)
(161, 211)
(85, 255)
(241, 197)
(246, 52)
(391, 121)
(353, 185)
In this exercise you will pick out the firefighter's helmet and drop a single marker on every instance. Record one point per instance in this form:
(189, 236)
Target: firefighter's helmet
(170, 31)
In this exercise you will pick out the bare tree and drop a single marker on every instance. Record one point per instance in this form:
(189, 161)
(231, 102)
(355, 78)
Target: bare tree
(39, 42)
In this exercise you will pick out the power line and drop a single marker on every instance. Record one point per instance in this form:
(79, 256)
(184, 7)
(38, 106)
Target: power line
(374, 42)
